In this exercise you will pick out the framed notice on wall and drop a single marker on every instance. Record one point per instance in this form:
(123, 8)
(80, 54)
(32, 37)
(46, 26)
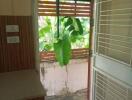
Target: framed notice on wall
(13, 39)
(12, 28)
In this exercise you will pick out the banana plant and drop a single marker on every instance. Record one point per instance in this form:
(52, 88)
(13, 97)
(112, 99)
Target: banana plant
(71, 31)
(71, 28)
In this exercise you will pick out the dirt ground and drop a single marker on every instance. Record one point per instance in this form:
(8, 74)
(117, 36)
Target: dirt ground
(79, 95)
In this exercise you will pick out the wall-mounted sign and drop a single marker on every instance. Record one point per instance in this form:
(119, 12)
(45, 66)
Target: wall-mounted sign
(12, 28)
(13, 39)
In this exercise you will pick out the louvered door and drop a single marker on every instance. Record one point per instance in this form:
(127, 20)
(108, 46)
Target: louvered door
(113, 50)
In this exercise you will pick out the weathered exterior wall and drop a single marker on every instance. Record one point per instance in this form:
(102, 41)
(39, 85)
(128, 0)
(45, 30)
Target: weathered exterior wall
(55, 78)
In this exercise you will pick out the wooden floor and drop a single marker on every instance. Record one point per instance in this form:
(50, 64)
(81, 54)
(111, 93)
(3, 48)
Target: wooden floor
(21, 85)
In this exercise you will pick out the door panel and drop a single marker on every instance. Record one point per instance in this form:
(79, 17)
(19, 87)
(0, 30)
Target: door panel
(113, 48)
(115, 29)
(108, 89)
(114, 68)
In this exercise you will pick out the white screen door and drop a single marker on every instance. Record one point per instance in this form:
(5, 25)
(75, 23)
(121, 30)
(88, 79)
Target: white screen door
(112, 71)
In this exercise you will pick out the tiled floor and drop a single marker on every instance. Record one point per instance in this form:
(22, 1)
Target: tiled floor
(20, 85)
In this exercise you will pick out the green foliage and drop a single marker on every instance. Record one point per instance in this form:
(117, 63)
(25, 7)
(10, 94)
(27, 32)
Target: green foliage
(71, 31)
(46, 34)
(44, 30)
(68, 22)
(83, 0)
(73, 34)
(80, 28)
(62, 50)
(74, 26)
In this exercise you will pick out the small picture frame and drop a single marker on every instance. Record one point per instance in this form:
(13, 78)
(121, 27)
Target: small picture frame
(12, 28)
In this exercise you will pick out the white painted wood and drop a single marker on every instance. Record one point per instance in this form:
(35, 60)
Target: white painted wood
(36, 35)
(117, 70)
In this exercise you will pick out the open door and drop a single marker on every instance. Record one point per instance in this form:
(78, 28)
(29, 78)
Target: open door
(112, 61)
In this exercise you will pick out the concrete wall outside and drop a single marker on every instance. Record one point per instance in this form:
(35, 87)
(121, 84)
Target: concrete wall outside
(54, 78)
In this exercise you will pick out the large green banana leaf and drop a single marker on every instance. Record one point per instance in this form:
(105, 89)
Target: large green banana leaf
(62, 50)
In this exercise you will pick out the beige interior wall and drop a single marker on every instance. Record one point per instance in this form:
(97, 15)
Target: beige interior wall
(5, 7)
(15, 7)
(22, 7)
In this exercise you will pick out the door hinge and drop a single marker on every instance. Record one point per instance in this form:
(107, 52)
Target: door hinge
(91, 53)
(92, 22)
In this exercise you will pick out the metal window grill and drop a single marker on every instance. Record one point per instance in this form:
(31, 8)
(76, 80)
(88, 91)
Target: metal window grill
(107, 89)
(114, 29)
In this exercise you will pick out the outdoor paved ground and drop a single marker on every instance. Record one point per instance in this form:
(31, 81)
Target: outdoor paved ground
(79, 95)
